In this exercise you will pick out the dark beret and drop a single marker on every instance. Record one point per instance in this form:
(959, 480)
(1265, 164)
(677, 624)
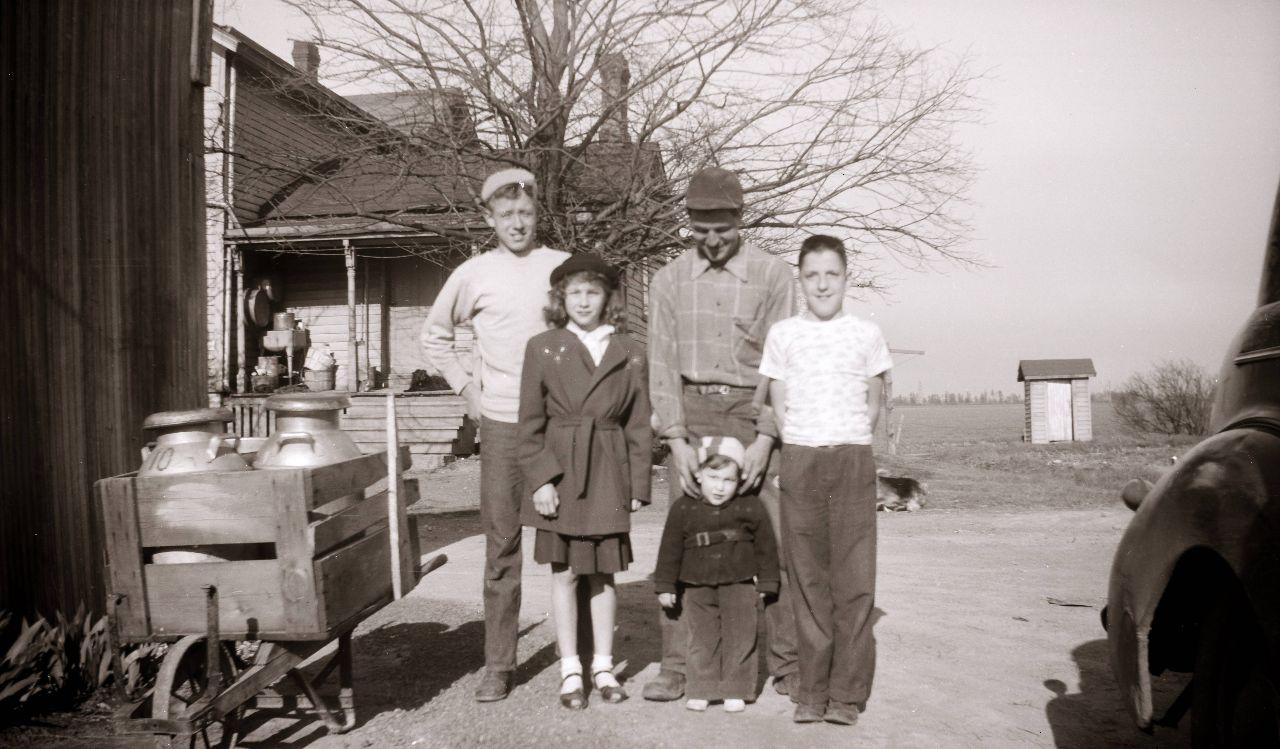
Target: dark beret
(584, 262)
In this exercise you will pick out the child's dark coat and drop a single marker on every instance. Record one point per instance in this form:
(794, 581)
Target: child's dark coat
(679, 560)
(584, 428)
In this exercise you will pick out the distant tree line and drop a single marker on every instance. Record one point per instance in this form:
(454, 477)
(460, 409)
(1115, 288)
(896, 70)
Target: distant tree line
(949, 398)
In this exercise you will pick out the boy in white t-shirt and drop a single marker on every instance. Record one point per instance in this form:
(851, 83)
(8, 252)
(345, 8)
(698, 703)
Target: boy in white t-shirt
(827, 373)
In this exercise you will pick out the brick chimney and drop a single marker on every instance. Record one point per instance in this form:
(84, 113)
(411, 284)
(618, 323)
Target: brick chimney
(306, 58)
(453, 114)
(615, 78)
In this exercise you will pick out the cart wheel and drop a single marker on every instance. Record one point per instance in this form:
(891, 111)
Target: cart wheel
(183, 679)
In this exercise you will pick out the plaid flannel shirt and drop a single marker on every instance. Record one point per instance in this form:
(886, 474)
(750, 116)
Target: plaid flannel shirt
(707, 326)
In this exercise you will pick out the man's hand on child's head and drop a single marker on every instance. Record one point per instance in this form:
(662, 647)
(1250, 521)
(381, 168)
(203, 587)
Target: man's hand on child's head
(667, 600)
(684, 463)
(755, 463)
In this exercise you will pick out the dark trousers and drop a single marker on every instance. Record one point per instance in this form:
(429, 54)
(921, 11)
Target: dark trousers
(722, 641)
(500, 489)
(734, 416)
(829, 521)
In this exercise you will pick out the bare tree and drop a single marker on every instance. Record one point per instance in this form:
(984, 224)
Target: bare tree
(833, 124)
(1173, 398)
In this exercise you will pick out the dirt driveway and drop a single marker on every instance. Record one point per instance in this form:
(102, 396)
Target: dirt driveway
(988, 635)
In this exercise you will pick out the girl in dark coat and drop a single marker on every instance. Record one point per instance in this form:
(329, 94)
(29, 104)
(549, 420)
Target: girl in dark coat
(585, 449)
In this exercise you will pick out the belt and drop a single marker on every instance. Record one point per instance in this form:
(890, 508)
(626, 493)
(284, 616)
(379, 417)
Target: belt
(584, 429)
(711, 538)
(716, 388)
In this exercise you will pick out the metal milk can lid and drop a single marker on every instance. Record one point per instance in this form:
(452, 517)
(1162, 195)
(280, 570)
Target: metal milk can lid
(169, 419)
(303, 402)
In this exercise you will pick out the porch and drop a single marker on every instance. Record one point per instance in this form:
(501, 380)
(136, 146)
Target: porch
(433, 424)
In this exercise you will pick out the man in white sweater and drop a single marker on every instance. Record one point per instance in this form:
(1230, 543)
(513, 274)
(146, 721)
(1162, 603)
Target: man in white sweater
(501, 292)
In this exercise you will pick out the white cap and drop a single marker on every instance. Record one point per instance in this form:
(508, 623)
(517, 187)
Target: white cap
(729, 447)
(501, 179)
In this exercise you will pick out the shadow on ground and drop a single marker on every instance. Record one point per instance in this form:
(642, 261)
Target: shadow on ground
(1096, 715)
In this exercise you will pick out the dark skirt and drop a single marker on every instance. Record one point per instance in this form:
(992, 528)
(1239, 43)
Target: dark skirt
(585, 555)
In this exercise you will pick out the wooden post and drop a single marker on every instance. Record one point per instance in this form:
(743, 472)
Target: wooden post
(239, 322)
(228, 318)
(353, 356)
(395, 513)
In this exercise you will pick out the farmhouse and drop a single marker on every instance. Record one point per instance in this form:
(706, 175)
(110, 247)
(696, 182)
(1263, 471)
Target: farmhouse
(1057, 400)
(349, 214)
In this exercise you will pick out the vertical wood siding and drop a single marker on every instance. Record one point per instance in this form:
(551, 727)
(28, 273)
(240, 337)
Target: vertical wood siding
(101, 268)
(1081, 410)
(1036, 411)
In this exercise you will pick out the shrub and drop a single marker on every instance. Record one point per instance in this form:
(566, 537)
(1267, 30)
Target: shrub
(52, 665)
(1173, 398)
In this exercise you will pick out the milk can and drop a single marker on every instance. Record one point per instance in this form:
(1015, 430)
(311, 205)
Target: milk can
(192, 442)
(307, 432)
(188, 441)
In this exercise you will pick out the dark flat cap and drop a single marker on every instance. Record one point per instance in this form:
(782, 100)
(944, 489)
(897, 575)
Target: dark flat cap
(713, 189)
(583, 261)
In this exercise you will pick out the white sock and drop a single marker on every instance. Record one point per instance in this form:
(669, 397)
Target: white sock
(570, 667)
(600, 662)
(602, 670)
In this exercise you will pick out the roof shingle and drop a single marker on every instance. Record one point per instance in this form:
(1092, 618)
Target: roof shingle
(1054, 369)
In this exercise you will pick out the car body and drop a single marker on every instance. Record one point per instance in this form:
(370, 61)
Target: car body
(1195, 584)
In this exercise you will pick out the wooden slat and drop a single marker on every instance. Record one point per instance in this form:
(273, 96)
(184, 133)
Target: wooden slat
(348, 477)
(406, 435)
(206, 509)
(371, 423)
(354, 576)
(337, 528)
(338, 479)
(294, 551)
(249, 600)
(124, 555)
(357, 411)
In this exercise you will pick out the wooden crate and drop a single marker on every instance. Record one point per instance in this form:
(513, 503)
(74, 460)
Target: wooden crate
(330, 531)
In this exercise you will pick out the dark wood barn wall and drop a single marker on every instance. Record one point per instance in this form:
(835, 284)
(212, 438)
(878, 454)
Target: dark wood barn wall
(101, 270)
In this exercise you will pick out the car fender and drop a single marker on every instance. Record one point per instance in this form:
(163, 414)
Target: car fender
(1216, 502)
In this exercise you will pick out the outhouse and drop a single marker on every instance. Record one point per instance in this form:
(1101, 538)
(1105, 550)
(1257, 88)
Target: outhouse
(1056, 394)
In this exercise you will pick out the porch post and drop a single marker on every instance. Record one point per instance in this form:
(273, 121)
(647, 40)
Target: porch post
(238, 320)
(353, 356)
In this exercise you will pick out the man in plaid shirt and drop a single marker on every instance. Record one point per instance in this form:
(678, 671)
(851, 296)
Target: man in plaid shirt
(709, 311)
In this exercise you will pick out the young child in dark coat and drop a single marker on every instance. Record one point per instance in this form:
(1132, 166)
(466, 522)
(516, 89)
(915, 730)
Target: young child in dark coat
(585, 450)
(712, 547)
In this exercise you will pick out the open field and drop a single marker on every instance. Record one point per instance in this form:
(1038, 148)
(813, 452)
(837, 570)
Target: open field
(974, 456)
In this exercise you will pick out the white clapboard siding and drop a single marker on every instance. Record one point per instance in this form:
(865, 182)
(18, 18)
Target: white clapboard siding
(406, 343)
(432, 426)
(319, 301)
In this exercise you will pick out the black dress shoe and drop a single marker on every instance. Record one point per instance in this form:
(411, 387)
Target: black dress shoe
(608, 692)
(495, 685)
(576, 699)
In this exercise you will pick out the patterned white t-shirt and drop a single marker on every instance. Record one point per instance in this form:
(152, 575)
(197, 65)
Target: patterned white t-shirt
(826, 365)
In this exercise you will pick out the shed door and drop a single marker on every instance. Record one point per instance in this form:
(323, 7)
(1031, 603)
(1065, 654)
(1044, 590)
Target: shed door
(1058, 410)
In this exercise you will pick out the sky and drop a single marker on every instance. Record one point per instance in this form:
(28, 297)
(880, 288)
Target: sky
(1128, 155)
